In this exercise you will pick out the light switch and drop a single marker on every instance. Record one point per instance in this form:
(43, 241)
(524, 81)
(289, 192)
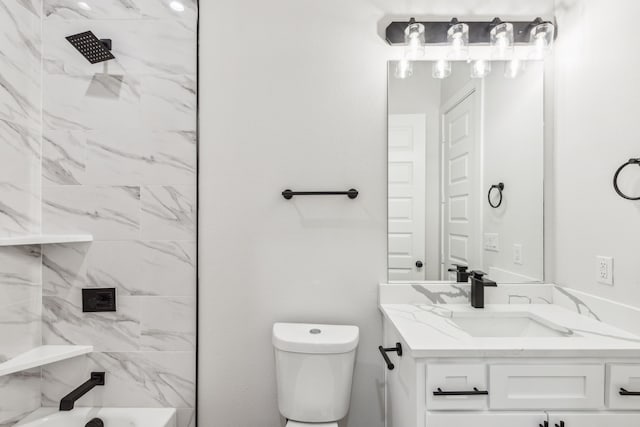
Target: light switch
(492, 242)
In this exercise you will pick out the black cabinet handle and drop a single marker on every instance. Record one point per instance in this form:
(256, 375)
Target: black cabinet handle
(383, 352)
(625, 392)
(474, 392)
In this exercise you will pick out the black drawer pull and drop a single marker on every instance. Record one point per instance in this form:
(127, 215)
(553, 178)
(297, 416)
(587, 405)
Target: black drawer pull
(474, 392)
(624, 392)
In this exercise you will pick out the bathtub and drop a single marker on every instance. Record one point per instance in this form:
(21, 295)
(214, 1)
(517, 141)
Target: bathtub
(112, 417)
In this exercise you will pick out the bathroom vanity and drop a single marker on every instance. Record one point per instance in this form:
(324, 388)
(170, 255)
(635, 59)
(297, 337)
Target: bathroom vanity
(521, 361)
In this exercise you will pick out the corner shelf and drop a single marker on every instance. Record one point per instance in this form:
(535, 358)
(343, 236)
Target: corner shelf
(45, 239)
(42, 355)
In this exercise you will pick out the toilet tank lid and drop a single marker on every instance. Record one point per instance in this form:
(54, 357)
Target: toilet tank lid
(315, 339)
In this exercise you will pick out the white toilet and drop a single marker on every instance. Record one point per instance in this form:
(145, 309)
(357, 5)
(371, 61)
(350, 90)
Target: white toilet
(314, 369)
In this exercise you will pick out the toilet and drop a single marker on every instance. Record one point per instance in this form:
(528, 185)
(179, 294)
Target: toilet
(314, 371)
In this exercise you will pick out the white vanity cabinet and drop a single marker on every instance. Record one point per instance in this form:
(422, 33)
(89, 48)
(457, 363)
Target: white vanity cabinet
(510, 391)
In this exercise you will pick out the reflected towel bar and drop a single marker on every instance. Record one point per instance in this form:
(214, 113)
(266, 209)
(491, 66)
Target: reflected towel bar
(288, 194)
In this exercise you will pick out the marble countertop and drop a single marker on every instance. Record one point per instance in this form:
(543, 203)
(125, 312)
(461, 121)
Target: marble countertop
(428, 331)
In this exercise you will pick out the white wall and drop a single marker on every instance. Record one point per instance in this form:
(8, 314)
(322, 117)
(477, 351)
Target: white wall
(597, 110)
(293, 94)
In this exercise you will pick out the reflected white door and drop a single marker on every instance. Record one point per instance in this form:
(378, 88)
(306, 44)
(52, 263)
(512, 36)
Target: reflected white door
(461, 213)
(407, 194)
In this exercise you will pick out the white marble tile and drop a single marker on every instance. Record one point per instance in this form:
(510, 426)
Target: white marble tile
(20, 327)
(154, 268)
(121, 102)
(20, 94)
(108, 213)
(169, 267)
(140, 379)
(19, 209)
(141, 157)
(100, 101)
(170, 102)
(168, 323)
(186, 417)
(19, 154)
(65, 323)
(139, 46)
(168, 212)
(118, 9)
(19, 395)
(20, 33)
(63, 157)
(20, 276)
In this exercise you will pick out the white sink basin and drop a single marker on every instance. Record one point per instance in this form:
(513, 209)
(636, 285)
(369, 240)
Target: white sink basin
(508, 325)
(112, 417)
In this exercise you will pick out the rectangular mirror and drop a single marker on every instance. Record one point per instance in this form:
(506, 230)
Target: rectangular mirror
(465, 173)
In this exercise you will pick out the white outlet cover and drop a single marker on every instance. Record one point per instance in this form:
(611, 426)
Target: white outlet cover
(604, 270)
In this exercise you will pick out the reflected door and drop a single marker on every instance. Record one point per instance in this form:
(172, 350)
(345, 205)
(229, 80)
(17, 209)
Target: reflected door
(460, 206)
(407, 158)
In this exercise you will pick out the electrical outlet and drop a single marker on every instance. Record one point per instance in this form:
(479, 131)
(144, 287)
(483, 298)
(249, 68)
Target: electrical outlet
(492, 242)
(517, 254)
(604, 270)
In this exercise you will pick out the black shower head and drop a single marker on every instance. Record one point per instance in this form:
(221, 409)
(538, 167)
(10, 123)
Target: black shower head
(91, 47)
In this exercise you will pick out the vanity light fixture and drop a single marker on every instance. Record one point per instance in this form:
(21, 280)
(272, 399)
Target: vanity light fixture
(501, 39)
(458, 40)
(542, 37)
(480, 68)
(513, 67)
(414, 36)
(404, 69)
(441, 69)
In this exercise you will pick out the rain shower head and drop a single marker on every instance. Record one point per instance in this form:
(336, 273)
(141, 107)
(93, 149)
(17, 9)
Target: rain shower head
(92, 48)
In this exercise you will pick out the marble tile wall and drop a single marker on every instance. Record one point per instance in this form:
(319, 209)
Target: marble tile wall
(119, 162)
(20, 156)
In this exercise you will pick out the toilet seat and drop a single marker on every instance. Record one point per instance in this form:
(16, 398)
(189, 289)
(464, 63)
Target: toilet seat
(291, 423)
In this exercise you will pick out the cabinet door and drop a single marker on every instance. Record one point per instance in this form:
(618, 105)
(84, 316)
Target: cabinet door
(600, 419)
(401, 401)
(486, 419)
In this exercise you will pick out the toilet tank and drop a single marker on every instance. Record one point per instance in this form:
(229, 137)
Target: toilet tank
(314, 370)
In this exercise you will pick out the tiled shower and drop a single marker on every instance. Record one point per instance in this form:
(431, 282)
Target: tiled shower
(109, 151)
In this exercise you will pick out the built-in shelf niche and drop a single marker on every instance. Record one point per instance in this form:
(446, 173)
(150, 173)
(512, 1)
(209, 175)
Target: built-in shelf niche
(41, 356)
(45, 239)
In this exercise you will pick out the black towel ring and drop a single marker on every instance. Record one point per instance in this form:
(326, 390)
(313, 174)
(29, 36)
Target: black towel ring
(615, 179)
(500, 188)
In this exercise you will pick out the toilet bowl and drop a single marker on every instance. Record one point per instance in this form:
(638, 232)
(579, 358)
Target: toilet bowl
(314, 371)
(298, 424)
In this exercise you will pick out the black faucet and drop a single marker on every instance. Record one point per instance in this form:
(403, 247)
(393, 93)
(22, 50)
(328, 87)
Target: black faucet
(67, 402)
(478, 282)
(462, 275)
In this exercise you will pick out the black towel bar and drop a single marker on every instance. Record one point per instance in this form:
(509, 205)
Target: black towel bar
(352, 193)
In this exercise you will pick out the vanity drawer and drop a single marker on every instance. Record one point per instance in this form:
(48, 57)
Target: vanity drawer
(623, 379)
(546, 387)
(454, 386)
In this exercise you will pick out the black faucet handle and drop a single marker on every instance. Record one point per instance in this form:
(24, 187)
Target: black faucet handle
(459, 268)
(477, 274)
